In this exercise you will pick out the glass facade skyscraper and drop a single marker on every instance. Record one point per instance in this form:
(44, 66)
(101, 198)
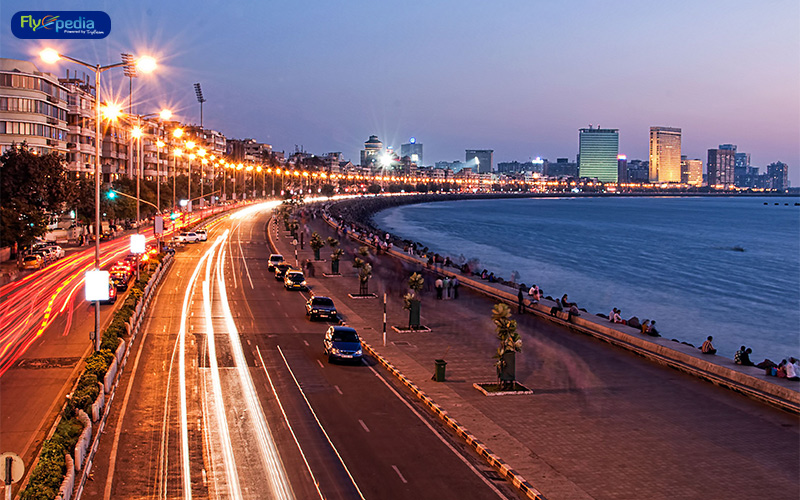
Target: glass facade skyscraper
(665, 154)
(599, 148)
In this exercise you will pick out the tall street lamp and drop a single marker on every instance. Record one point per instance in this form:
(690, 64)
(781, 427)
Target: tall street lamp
(177, 133)
(145, 64)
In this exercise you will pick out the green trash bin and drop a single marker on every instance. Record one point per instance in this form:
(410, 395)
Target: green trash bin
(438, 375)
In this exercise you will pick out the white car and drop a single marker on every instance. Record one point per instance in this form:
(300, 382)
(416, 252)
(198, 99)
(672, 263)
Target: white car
(59, 252)
(190, 237)
(202, 234)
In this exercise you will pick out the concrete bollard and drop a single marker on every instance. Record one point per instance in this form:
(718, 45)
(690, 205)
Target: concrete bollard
(65, 491)
(84, 441)
(108, 380)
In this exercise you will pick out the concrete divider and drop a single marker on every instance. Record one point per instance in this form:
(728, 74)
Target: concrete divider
(65, 491)
(85, 439)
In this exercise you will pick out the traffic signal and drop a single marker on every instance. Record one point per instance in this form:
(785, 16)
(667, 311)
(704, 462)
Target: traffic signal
(174, 215)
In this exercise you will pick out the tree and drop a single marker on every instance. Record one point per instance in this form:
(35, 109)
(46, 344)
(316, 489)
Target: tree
(335, 255)
(374, 189)
(411, 300)
(327, 190)
(316, 244)
(364, 271)
(510, 344)
(31, 185)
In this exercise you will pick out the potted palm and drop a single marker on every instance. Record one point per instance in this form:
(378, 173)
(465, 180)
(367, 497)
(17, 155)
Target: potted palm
(316, 244)
(510, 345)
(411, 300)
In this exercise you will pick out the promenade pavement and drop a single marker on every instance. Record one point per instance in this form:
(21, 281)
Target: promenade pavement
(603, 422)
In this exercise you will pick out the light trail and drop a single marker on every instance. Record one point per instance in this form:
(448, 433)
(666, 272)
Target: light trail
(186, 475)
(279, 482)
(234, 489)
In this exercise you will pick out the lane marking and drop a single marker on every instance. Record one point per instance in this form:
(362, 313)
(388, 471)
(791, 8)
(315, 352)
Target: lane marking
(246, 267)
(320, 364)
(308, 403)
(306, 343)
(338, 390)
(288, 424)
(438, 435)
(399, 474)
(363, 425)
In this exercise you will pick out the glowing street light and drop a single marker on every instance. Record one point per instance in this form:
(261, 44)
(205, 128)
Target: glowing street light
(146, 65)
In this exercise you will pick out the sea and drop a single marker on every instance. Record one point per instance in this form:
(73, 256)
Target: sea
(722, 266)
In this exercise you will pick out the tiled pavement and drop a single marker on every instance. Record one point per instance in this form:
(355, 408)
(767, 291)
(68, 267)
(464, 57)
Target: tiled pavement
(603, 423)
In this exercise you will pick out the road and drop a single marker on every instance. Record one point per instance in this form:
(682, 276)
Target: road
(229, 396)
(44, 336)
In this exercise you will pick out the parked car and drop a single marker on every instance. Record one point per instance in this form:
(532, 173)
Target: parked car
(44, 255)
(59, 251)
(320, 307)
(274, 259)
(32, 261)
(280, 270)
(295, 280)
(202, 234)
(342, 343)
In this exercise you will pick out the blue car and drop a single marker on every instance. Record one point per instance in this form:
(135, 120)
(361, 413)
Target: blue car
(342, 343)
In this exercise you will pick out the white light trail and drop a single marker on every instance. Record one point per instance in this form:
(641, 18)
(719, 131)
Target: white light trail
(186, 475)
(234, 488)
(279, 483)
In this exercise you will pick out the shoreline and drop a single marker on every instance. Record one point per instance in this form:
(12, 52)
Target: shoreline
(360, 214)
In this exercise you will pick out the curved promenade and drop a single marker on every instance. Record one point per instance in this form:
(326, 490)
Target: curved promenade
(603, 422)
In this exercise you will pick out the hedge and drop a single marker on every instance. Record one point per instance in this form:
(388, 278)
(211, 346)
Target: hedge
(49, 472)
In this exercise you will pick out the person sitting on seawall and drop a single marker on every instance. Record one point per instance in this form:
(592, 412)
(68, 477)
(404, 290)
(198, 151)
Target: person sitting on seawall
(652, 330)
(573, 310)
(566, 303)
(742, 357)
(614, 316)
(791, 370)
(556, 308)
(708, 347)
(534, 294)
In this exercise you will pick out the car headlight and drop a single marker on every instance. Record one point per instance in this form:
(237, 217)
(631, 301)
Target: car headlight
(314, 311)
(335, 350)
(303, 283)
(333, 311)
(358, 352)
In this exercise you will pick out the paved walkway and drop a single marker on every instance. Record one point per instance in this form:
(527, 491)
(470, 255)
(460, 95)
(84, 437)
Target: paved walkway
(603, 423)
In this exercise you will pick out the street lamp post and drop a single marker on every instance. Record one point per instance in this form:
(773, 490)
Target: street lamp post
(146, 64)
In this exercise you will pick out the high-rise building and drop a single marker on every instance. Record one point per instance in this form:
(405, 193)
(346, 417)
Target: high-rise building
(691, 171)
(665, 154)
(372, 151)
(598, 150)
(778, 175)
(413, 150)
(33, 108)
(720, 165)
(741, 163)
(622, 168)
(482, 160)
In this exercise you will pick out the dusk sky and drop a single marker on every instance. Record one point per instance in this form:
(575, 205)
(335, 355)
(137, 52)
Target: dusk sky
(520, 77)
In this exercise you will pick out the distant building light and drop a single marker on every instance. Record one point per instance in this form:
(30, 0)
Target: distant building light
(538, 161)
(413, 140)
(622, 157)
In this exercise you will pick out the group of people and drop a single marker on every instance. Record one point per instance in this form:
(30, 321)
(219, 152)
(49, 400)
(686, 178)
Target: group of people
(446, 288)
(788, 369)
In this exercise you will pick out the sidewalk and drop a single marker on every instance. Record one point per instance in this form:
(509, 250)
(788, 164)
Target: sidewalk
(603, 423)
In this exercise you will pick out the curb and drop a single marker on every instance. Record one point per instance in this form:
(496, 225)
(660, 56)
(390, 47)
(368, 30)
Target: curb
(493, 460)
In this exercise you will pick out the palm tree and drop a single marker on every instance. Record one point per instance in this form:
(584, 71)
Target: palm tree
(364, 271)
(510, 344)
(411, 300)
(316, 244)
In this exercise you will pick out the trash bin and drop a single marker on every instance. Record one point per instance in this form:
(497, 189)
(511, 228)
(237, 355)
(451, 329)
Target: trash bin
(438, 375)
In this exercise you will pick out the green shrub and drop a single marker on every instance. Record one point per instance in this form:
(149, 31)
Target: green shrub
(97, 365)
(46, 478)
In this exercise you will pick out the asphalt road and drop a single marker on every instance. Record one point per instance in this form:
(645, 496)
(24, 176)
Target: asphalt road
(265, 415)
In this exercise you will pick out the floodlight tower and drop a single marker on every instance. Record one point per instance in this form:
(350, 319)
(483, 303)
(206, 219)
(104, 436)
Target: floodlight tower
(199, 93)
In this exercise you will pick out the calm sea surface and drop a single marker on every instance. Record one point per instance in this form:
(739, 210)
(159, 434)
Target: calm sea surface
(669, 259)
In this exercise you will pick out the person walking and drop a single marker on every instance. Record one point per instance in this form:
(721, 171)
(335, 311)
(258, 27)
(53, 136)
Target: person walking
(455, 287)
(446, 287)
(520, 301)
(438, 284)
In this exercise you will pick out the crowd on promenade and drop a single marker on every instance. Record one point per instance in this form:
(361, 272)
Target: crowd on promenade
(355, 219)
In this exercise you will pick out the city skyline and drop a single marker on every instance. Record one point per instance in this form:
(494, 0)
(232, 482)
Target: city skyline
(522, 97)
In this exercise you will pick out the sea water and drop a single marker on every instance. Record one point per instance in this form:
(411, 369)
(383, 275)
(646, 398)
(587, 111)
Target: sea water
(722, 266)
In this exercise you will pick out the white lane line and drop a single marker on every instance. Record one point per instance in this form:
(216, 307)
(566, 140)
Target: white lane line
(338, 390)
(306, 343)
(341, 460)
(289, 424)
(320, 364)
(241, 253)
(185, 468)
(399, 474)
(276, 473)
(232, 475)
(233, 268)
(441, 438)
(363, 425)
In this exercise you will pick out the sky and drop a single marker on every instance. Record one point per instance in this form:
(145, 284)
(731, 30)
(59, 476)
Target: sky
(516, 76)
